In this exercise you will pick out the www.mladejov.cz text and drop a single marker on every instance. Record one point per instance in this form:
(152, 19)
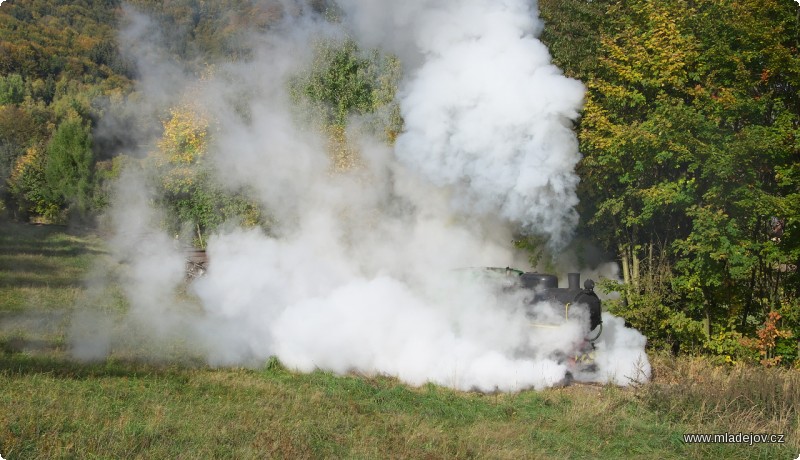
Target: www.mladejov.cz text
(734, 438)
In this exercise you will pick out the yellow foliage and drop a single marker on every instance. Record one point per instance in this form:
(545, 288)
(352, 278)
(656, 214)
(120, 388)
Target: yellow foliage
(185, 138)
(33, 158)
(179, 178)
(182, 147)
(86, 42)
(660, 58)
(345, 157)
(602, 133)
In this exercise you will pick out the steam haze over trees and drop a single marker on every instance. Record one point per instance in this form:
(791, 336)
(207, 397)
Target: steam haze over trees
(690, 177)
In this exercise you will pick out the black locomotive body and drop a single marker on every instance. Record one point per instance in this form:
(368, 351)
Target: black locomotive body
(573, 298)
(570, 302)
(542, 289)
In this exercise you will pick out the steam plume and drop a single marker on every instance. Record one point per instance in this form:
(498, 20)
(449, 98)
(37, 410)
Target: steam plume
(485, 111)
(357, 272)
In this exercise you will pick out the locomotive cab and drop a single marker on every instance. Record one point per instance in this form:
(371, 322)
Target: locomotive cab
(549, 306)
(545, 288)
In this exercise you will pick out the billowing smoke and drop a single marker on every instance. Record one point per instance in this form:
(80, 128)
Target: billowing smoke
(358, 271)
(485, 111)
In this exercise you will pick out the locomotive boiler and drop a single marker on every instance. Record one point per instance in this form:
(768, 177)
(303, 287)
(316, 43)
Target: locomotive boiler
(573, 298)
(572, 303)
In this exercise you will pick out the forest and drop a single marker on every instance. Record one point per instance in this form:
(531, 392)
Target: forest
(690, 137)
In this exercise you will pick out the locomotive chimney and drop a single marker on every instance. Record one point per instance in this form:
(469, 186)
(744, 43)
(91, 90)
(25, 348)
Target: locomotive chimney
(574, 280)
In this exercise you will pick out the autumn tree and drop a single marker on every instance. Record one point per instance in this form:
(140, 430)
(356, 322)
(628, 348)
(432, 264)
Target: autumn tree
(189, 190)
(28, 185)
(691, 162)
(744, 241)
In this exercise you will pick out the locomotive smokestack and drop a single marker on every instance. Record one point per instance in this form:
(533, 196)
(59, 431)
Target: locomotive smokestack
(574, 280)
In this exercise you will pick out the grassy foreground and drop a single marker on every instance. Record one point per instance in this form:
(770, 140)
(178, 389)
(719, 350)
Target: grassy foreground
(54, 407)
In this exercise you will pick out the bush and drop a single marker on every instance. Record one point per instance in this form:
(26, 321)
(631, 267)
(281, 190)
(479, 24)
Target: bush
(747, 399)
(29, 188)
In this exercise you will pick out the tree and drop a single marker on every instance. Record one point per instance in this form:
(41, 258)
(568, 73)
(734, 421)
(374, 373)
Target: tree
(69, 166)
(12, 89)
(691, 159)
(342, 82)
(745, 224)
(28, 185)
(188, 188)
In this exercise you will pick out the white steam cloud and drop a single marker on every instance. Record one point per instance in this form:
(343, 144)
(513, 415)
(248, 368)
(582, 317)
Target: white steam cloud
(485, 111)
(357, 273)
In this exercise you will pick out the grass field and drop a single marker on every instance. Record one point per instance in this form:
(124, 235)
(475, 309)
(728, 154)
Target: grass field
(54, 407)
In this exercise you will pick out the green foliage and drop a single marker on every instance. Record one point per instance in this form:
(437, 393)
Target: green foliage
(12, 89)
(105, 173)
(17, 131)
(730, 346)
(188, 189)
(205, 205)
(70, 164)
(538, 255)
(56, 59)
(572, 32)
(344, 81)
(665, 326)
(339, 81)
(198, 32)
(689, 136)
(30, 189)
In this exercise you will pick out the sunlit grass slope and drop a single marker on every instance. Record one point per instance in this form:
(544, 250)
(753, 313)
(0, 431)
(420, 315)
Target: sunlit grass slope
(54, 407)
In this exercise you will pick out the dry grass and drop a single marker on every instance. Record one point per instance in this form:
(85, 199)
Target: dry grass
(742, 399)
(56, 409)
(123, 407)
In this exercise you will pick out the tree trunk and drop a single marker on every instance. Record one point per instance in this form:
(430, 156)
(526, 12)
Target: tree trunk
(626, 272)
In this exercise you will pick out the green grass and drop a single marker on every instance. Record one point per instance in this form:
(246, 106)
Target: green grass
(42, 267)
(54, 407)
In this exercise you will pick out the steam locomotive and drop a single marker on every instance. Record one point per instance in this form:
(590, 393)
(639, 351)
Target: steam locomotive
(573, 301)
(543, 287)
